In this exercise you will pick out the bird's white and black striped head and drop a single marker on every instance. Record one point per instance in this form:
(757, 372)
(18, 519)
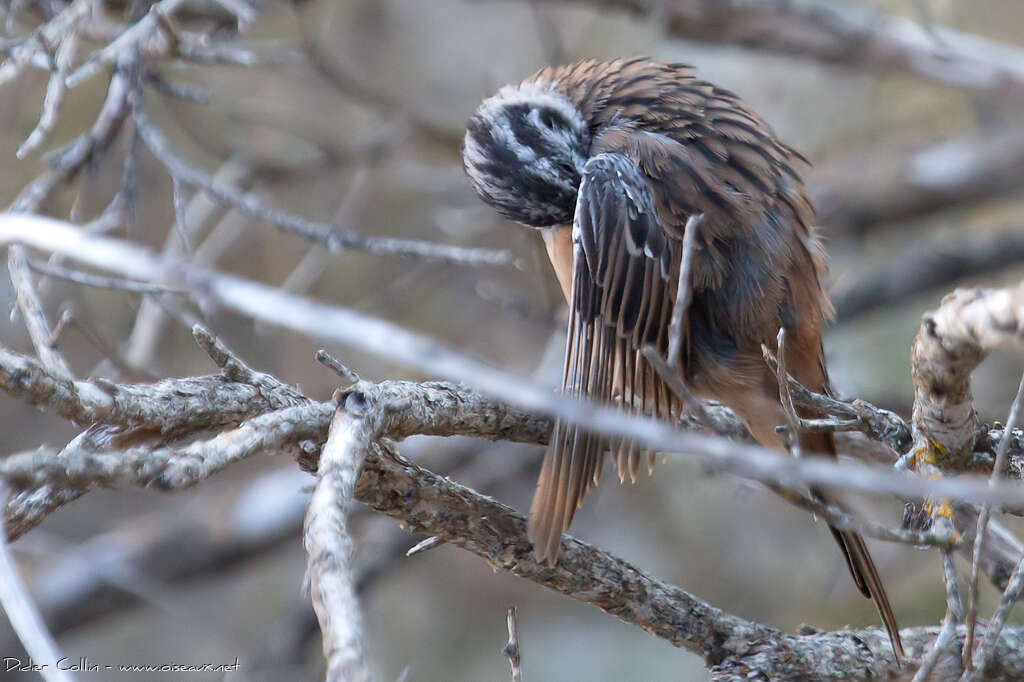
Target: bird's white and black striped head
(524, 152)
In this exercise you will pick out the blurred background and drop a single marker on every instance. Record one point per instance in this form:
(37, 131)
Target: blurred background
(919, 187)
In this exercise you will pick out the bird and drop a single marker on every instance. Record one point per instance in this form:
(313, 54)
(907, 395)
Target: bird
(612, 162)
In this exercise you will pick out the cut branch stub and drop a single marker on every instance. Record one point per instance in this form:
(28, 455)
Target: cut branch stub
(953, 340)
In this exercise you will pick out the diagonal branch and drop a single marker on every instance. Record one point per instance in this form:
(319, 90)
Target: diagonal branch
(23, 613)
(269, 304)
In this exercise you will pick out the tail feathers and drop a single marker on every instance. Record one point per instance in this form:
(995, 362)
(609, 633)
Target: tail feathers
(855, 551)
(866, 577)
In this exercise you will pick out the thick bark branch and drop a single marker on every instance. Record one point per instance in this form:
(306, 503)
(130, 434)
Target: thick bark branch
(426, 503)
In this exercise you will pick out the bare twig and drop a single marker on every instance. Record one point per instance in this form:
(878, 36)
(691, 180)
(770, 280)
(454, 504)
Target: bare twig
(34, 45)
(23, 614)
(995, 626)
(330, 236)
(331, 362)
(72, 158)
(1002, 549)
(178, 199)
(684, 292)
(674, 380)
(954, 615)
(841, 520)
(32, 312)
(144, 340)
(423, 546)
(979, 538)
(165, 468)
(669, 369)
(954, 602)
(938, 648)
(126, 43)
(99, 281)
(188, 92)
(785, 397)
(511, 650)
(54, 97)
(853, 415)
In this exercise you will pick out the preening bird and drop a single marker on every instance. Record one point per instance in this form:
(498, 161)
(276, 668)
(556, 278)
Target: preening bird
(609, 161)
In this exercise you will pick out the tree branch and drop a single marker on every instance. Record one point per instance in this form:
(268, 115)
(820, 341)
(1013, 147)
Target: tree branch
(845, 33)
(953, 340)
(329, 545)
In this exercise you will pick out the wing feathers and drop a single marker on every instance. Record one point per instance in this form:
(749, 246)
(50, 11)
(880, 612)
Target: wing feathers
(621, 294)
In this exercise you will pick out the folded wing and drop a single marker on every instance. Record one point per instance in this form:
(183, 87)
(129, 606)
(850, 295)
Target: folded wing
(623, 288)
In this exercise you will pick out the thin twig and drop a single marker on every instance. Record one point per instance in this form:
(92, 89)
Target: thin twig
(331, 236)
(164, 468)
(995, 626)
(68, 161)
(34, 46)
(841, 520)
(22, 612)
(785, 397)
(189, 92)
(511, 649)
(423, 546)
(979, 538)
(684, 292)
(878, 424)
(939, 646)
(954, 602)
(54, 97)
(100, 281)
(669, 369)
(674, 380)
(954, 615)
(125, 43)
(32, 312)
(178, 199)
(331, 362)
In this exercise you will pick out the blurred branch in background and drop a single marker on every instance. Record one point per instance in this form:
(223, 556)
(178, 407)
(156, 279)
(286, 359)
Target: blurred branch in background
(843, 32)
(924, 264)
(872, 189)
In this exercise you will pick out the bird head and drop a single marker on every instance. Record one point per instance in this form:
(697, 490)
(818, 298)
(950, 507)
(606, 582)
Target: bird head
(524, 153)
